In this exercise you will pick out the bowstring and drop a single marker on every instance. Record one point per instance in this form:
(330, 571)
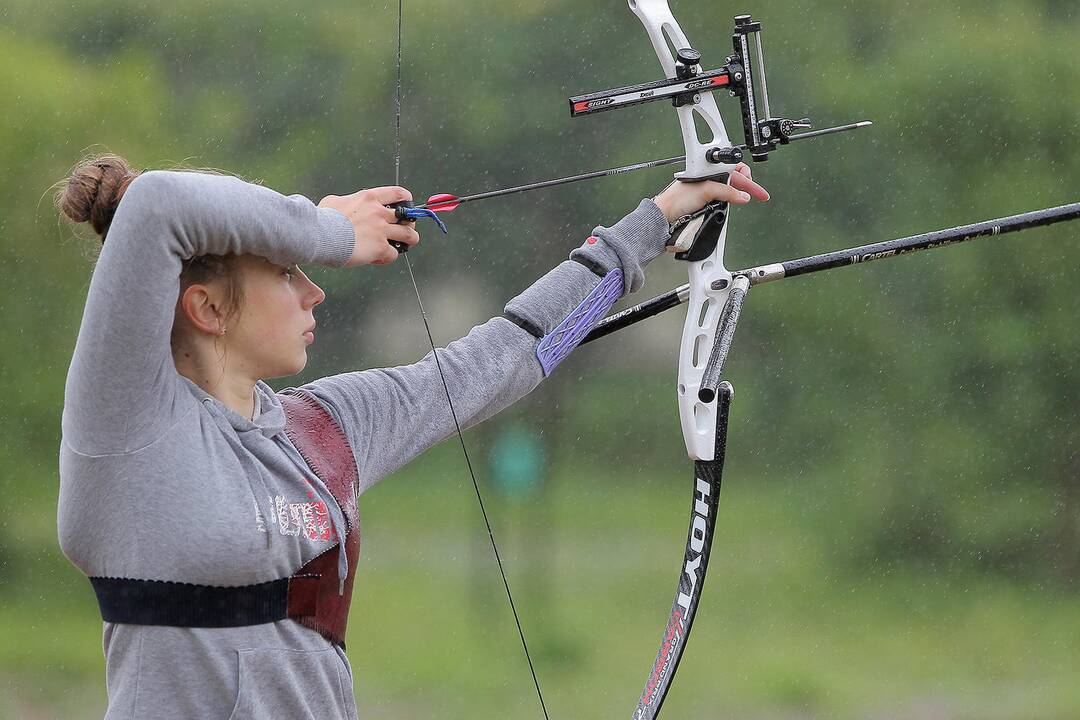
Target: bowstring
(446, 387)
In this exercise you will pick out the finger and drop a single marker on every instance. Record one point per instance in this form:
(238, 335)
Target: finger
(712, 191)
(715, 191)
(391, 194)
(388, 255)
(744, 169)
(733, 196)
(742, 182)
(389, 214)
(404, 234)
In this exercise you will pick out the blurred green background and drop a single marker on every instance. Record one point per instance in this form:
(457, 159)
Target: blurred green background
(899, 534)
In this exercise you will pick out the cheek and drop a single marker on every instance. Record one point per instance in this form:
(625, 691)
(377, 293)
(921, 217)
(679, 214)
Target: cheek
(266, 317)
(271, 332)
(272, 320)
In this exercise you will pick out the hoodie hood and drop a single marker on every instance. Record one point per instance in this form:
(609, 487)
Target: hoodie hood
(269, 415)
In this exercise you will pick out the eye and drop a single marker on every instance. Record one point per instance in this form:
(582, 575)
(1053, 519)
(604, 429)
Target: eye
(290, 270)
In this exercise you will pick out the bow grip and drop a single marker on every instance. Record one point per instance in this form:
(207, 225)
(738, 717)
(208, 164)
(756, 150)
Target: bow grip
(695, 236)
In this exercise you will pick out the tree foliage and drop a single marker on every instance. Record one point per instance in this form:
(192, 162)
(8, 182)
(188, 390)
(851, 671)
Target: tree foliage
(937, 390)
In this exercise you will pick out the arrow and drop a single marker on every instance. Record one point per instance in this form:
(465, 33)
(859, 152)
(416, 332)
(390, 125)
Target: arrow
(448, 202)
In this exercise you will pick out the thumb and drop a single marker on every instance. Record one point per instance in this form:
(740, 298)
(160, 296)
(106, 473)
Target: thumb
(391, 194)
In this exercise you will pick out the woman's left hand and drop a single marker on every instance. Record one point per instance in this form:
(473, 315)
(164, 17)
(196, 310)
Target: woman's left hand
(684, 198)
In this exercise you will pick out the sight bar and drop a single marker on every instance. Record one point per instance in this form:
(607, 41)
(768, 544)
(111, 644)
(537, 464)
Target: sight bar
(648, 92)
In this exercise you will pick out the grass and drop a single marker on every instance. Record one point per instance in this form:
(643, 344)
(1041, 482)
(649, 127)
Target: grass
(786, 628)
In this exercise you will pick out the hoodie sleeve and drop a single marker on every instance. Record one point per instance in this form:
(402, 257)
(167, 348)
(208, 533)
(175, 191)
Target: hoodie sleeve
(123, 390)
(391, 415)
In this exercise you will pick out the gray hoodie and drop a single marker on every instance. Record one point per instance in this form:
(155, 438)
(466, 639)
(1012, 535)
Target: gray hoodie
(160, 480)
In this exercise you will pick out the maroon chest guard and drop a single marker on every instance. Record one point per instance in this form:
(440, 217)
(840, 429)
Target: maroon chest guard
(309, 596)
(313, 599)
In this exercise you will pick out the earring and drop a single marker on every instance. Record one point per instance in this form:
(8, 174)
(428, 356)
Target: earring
(222, 332)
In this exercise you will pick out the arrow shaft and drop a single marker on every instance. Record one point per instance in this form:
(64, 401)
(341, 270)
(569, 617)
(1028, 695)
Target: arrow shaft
(435, 205)
(557, 181)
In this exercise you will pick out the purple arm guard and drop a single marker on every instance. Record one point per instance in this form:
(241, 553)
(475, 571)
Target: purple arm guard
(567, 335)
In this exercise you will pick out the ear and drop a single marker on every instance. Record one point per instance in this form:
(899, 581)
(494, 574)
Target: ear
(203, 307)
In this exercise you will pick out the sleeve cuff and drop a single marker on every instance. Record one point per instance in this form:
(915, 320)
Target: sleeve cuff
(630, 244)
(334, 240)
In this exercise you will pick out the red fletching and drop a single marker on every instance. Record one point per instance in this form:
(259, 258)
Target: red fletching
(442, 202)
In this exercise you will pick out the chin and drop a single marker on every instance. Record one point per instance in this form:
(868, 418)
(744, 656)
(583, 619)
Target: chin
(290, 369)
(300, 365)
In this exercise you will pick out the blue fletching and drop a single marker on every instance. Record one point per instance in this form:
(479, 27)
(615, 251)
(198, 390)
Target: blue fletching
(417, 213)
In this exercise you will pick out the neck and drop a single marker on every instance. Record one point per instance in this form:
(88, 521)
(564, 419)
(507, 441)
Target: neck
(213, 374)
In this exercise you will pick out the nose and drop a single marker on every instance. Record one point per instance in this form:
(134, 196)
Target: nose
(315, 295)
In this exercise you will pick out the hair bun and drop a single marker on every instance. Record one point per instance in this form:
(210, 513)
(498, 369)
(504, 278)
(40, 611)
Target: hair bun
(94, 190)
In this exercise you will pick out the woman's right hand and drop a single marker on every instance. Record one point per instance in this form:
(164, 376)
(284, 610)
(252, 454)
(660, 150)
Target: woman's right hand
(374, 224)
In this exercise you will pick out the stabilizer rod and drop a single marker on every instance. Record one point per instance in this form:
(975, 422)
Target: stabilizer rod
(839, 258)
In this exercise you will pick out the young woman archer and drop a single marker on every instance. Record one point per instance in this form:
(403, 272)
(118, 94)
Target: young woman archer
(208, 511)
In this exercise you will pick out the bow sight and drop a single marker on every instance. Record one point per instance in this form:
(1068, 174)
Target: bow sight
(763, 132)
(689, 87)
